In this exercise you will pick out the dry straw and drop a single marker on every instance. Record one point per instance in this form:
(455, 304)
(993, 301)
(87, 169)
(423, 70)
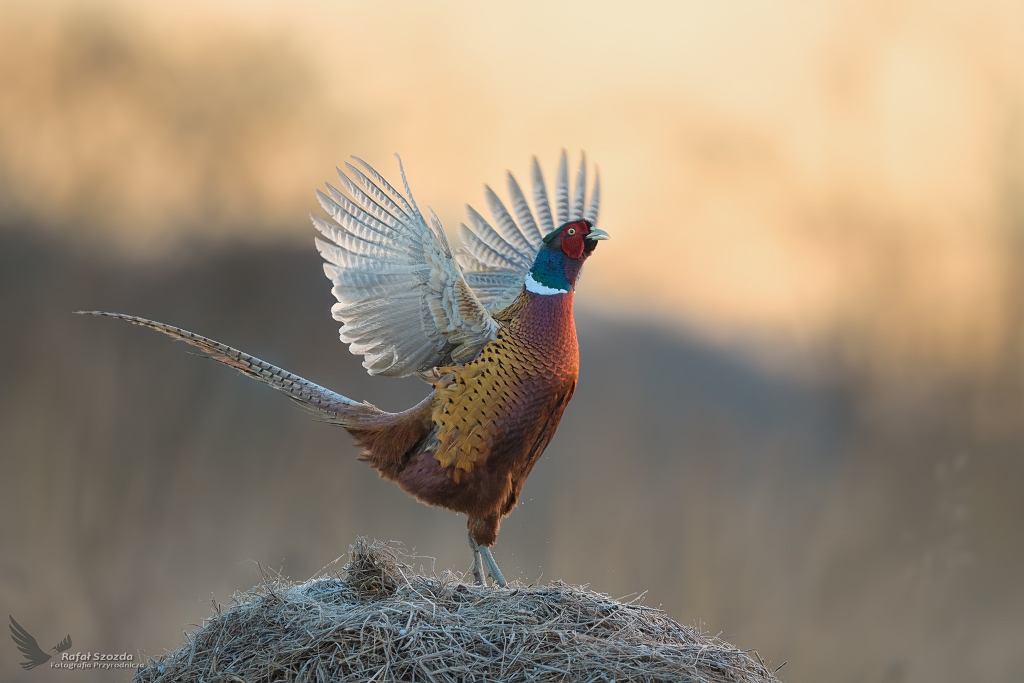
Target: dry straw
(379, 621)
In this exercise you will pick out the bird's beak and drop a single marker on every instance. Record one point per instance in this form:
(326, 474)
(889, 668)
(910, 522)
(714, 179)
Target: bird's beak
(596, 234)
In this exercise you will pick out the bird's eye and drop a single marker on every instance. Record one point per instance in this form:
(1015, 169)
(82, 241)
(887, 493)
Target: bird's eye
(571, 231)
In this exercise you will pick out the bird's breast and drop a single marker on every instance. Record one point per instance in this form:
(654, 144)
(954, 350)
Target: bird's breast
(493, 408)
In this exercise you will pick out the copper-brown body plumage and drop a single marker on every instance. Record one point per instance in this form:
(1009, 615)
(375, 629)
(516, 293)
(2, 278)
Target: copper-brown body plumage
(483, 427)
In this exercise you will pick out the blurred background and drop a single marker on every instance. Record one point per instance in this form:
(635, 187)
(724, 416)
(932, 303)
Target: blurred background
(800, 419)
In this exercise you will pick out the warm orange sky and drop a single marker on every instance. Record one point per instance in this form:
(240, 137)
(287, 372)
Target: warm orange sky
(778, 168)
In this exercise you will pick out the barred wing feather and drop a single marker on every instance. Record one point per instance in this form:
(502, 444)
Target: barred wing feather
(495, 259)
(403, 302)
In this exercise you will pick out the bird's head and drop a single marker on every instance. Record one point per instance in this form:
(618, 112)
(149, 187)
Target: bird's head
(558, 264)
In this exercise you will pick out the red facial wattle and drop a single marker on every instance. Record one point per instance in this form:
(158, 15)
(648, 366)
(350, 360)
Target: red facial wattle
(572, 239)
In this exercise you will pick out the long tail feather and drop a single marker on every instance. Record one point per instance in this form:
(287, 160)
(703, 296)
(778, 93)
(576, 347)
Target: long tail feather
(337, 408)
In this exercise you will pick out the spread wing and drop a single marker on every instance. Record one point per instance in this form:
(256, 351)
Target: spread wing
(402, 298)
(495, 260)
(28, 646)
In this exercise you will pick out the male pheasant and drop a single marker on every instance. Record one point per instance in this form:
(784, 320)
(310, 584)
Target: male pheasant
(490, 327)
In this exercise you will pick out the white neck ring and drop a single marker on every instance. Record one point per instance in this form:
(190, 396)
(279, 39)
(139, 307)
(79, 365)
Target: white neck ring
(539, 288)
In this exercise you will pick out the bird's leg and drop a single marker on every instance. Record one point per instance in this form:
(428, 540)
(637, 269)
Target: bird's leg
(492, 566)
(478, 572)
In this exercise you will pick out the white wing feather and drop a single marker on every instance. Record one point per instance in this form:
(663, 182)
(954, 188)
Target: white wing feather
(495, 261)
(523, 213)
(595, 199)
(581, 190)
(403, 301)
(562, 190)
(540, 199)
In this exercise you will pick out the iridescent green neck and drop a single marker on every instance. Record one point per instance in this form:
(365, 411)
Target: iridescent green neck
(549, 273)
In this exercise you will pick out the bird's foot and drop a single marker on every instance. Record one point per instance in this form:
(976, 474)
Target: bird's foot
(477, 570)
(492, 566)
(482, 551)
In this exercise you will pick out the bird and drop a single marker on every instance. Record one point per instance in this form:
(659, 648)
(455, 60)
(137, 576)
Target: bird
(489, 326)
(27, 645)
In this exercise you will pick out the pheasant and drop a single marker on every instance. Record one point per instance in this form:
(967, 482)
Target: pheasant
(489, 326)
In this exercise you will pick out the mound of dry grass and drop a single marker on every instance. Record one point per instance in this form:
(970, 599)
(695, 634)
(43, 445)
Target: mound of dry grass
(380, 621)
